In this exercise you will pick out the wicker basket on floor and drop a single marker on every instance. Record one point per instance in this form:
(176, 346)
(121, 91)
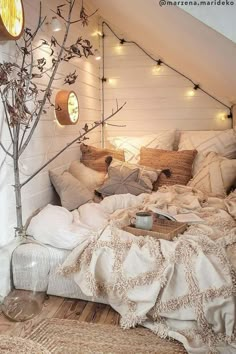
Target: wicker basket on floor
(162, 228)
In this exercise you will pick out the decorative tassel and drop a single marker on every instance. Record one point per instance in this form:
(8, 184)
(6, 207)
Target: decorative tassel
(108, 160)
(167, 172)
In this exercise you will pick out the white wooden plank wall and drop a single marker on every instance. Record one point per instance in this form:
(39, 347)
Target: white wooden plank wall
(156, 100)
(49, 137)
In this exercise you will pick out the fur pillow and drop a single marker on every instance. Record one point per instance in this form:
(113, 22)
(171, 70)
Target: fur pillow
(216, 175)
(131, 145)
(222, 142)
(179, 163)
(71, 191)
(94, 158)
(90, 178)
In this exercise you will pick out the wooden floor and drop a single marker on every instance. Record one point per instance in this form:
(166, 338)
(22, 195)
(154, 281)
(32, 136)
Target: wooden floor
(57, 307)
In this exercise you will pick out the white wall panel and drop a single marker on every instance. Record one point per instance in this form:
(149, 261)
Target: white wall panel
(156, 100)
(49, 138)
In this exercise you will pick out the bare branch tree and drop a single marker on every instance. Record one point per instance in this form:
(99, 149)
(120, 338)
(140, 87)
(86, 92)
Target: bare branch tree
(24, 103)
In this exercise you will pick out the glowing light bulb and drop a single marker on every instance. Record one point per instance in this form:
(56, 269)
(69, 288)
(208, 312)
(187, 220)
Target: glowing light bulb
(96, 33)
(97, 55)
(56, 25)
(191, 93)
(119, 48)
(156, 69)
(112, 81)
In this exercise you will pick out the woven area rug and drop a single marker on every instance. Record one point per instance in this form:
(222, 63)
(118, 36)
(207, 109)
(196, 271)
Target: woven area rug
(73, 337)
(13, 345)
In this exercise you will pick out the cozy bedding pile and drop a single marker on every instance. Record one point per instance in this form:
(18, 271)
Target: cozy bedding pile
(183, 289)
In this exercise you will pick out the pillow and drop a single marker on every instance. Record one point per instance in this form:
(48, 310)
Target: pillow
(71, 191)
(94, 158)
(222, 142)
(131, 145)
(88, 177)
(179, 163)
(216, 175)
(147, 175)
(126, 178)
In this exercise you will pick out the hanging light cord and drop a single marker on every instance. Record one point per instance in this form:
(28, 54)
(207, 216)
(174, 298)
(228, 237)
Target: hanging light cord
(160, 62)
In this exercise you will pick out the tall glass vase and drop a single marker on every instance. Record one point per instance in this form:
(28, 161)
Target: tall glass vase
(30, 267)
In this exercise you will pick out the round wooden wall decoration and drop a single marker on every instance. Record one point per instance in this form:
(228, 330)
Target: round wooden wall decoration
(67, 107)
(11, 19)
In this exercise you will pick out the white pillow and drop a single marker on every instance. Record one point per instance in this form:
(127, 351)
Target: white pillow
(222, 142)
(216, 175)
(88, 177)
(53, 225)
(131, 145)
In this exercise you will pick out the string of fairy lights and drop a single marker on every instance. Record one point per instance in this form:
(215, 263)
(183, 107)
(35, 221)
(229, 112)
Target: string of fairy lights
(158, 65)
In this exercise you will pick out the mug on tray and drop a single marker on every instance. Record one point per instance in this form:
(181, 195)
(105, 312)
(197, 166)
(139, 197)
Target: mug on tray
(142, 220)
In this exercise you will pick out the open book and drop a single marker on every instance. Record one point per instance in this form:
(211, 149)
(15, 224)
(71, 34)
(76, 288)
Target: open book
(189, 218)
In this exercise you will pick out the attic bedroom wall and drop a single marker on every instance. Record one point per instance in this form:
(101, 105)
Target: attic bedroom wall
(156, 100)
(49, 137)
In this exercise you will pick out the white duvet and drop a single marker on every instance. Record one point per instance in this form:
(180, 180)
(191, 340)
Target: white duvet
(184, 289)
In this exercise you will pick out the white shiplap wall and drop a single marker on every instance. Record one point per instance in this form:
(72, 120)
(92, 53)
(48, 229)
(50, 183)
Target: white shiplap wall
(155, 100)
(49, 137)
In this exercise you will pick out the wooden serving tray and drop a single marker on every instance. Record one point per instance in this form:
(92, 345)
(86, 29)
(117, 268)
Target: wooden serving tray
(162, 228)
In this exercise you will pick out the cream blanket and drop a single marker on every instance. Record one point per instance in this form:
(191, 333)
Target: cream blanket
(184, 289)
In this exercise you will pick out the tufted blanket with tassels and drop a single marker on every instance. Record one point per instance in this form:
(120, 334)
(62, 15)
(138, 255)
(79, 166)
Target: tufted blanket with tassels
(184, 289)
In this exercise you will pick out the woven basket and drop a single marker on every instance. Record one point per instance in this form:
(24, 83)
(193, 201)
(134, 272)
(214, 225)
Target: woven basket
(165, 229)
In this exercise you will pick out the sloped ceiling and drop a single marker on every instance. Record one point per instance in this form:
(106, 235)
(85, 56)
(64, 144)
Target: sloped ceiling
(180, 40)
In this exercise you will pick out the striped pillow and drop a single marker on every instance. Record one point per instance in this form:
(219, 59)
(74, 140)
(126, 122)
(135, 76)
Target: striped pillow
(221, 142)
(131, 145)
(216, 175)
(179, 163)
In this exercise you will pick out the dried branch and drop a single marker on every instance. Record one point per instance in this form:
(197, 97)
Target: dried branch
(5, 150)
(79, 138)
(24, 103)
(50, 82)
(6, 115)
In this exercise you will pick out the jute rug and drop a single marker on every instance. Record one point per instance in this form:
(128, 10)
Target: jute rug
(74, 337)
(13, 345)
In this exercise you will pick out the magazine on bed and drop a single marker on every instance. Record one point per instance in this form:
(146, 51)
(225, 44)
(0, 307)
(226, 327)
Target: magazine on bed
(189, 218)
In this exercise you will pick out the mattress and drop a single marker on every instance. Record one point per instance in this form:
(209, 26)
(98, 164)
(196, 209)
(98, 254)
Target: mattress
(35, 268)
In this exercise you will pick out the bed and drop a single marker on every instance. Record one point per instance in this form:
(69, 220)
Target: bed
(95, 259)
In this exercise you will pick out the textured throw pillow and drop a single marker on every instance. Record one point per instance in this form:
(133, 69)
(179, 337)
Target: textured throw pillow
(94, 158)
(147, 175)
(126, 178)
(179, 163)
(216, 175)
(222, 142)
(71, 191)
(131, 145)
(87, 176)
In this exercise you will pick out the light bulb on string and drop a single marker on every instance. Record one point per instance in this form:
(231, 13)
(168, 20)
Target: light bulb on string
(97, 55)
(56, 24)
(191, 93)
(157, 68)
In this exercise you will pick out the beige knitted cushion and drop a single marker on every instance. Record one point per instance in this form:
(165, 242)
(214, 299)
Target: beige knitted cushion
(71, 191)
(216, 175)
(94, 158)
(179, 163)
(221, 142)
